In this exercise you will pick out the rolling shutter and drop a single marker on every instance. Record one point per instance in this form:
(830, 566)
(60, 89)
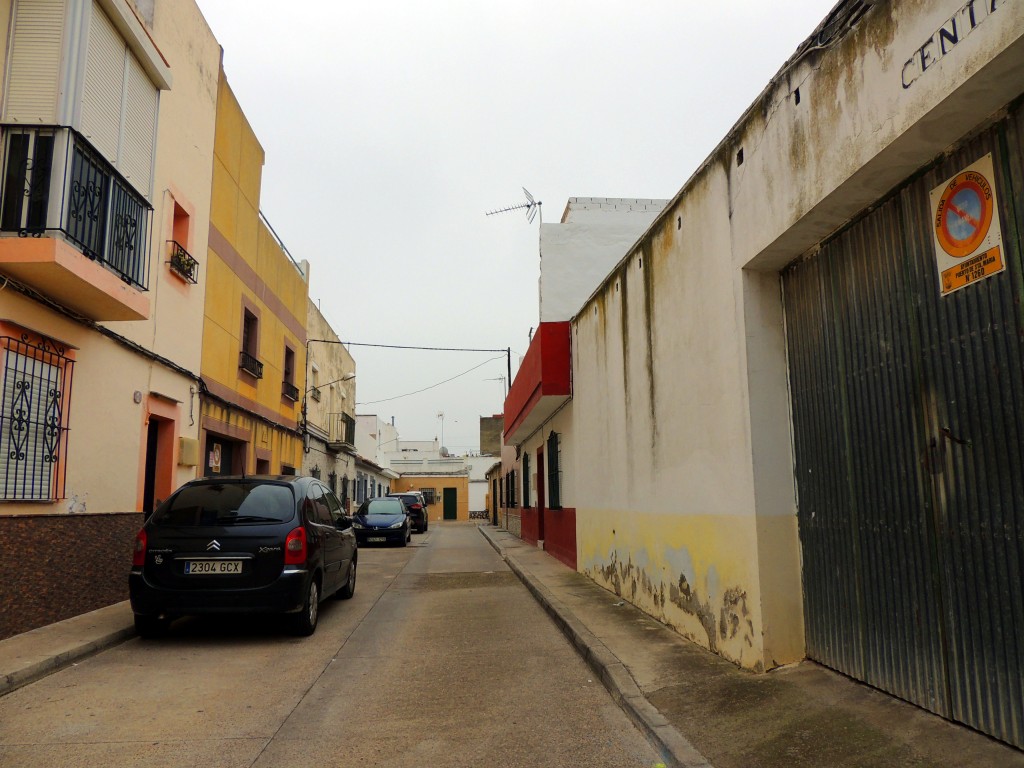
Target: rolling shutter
(35, 62)
(136, 161)
(119, 104)
(102, 100)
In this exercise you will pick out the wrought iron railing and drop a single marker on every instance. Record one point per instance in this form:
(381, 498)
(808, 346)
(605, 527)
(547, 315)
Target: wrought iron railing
(289, 390)
(33, 418)
(250, 364)
(182, 263)
(314, 392)
(342, 428)
(54, 181)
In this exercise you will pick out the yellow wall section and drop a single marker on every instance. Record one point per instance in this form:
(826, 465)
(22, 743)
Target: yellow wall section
(252, 271)
(436, 510)
(693, 573)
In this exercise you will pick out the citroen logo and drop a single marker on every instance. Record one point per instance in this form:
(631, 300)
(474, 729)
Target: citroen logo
(214, 545)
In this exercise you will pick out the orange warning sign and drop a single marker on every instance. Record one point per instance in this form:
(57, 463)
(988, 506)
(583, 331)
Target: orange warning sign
(968, 241)
(975, 268)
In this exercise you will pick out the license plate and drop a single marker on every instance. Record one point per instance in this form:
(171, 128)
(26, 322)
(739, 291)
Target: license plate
(217, 567)
(376, 538)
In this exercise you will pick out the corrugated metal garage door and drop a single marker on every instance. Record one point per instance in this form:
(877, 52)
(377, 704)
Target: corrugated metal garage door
(908, 416)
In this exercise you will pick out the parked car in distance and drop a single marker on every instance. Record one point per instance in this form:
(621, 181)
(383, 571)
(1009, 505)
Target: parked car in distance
(383, 520)
(256, 544)
(417, 507)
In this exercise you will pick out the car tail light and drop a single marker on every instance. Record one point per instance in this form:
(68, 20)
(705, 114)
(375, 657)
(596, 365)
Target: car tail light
(295, 547)
(139, 554)
(416, 506)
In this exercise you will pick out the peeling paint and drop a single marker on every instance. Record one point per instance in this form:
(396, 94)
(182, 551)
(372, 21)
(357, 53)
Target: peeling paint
(732, 622)
(685, 598)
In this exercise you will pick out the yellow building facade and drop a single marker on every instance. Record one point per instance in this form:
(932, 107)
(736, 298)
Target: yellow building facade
(447, 495)
(254, 327)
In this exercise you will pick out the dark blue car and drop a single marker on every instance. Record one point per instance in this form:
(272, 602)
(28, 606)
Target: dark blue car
(382, 520)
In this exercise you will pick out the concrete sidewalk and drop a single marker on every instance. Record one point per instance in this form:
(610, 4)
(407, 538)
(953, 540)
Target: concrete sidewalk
(35, 654)
(702, 710)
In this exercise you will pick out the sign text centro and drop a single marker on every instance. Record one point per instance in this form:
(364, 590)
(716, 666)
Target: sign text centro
(946, 37)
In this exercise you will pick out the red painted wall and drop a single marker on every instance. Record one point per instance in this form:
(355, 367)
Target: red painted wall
(560, 535)
(530, 524)
(544, 371)
(559, 532)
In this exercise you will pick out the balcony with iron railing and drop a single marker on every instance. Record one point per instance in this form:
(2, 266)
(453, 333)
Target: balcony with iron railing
(71, 226)
(182, 264)
(250, 364)
(289, 391)
(341, 428)
(314, 392)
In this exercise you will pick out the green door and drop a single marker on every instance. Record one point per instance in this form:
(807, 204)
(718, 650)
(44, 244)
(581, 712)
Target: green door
(451, 503)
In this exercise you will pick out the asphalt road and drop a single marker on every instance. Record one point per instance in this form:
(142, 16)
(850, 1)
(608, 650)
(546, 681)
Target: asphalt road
(442, 658)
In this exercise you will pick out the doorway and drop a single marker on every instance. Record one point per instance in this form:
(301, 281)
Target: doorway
(451, 503)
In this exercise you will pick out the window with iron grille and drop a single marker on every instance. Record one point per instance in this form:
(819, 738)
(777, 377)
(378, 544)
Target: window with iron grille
(554, 459)
(247, 357)
(526, 479)
(34, 399)
(288, 388)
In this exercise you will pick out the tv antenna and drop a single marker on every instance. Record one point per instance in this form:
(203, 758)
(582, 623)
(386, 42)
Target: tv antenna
(532, 207)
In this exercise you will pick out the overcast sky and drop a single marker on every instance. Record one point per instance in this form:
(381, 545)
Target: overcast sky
(391, 128)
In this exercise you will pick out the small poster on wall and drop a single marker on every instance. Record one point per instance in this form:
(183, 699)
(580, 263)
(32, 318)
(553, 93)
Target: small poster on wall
(968, 240)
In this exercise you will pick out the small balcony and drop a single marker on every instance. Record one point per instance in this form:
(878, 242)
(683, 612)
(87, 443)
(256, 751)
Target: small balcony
(182, 264)
(250, 364)
(289, 391)
(71, 226)
(542, 385)
(342, 431)
(314, 392)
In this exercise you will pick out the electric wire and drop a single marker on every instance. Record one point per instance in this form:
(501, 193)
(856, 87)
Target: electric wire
(433, 386)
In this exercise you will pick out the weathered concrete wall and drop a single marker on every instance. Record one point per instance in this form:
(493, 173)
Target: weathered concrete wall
(685, 488)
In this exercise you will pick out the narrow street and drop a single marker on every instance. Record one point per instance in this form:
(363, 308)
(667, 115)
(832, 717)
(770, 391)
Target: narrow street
(442, 658)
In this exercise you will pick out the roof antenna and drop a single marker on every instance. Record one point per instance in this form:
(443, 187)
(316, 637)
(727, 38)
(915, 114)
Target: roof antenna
(532, 207)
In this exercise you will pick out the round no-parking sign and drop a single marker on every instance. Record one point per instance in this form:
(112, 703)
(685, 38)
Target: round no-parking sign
(968, 241)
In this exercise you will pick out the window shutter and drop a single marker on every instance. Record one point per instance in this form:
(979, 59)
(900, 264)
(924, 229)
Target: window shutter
(35, 62)
(141, 99)
(102, 101)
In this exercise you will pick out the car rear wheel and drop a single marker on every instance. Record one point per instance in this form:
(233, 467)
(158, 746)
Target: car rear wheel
(346, 592)
(151, 626)
(305, 621)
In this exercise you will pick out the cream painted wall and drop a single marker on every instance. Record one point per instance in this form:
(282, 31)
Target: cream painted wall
(327, 364)
(107, 437)
(685, 490)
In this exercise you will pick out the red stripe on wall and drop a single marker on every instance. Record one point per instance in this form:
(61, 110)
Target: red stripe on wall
(559, 532)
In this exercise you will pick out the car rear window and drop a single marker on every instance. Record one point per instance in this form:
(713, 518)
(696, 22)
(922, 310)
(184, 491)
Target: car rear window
(227, 504)
(382, 507)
